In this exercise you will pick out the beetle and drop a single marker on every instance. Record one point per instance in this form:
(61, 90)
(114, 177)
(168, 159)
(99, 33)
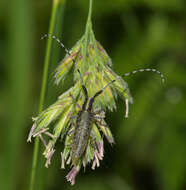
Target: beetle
(86, 116)
(83, 125)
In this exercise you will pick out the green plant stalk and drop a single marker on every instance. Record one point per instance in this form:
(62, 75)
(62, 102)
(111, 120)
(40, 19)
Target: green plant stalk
(87, 33)
(56, 56)
(43, 89)
(51, 90)
(89, 13)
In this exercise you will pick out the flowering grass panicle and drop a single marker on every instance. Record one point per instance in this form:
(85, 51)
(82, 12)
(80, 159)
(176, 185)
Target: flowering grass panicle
(59, 121)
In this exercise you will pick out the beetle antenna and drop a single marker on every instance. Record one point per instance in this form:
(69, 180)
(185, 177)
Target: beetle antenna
(136, 71)
(81, 78)
(126, 74)
(68, 53)
(143, 70)
(60, 43)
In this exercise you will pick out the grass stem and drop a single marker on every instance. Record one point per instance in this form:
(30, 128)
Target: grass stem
(43, 88)
(87, 34)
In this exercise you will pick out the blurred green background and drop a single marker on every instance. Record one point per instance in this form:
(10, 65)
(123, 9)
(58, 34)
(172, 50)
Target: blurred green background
(150, 149)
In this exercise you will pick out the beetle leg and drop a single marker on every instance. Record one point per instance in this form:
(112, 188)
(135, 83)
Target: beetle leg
(93, 141)
(98, 111)
(71, 132)
(67, 131)
(101, 122)
(102, 126)
(73, 119)
(68, 145)
(98, 117)
(98, 114)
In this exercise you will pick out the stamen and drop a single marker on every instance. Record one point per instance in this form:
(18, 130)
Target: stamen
(62, 160)
(96, 159)
(93, 165)
(98, 155)
(49, 134)
(84, 163)
(127, 108)
(34, 118)
(43, 140)
(40, 132)
(49, 156)
(31, 133)
(101, 148)
(72, 175)
(69, 160)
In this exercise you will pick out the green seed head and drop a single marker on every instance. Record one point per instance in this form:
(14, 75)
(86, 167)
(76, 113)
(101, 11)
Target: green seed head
(57, 120)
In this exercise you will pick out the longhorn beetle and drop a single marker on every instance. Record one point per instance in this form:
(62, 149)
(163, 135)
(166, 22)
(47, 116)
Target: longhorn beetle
(86, 114)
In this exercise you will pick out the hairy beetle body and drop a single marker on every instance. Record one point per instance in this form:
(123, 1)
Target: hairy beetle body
(81, 135)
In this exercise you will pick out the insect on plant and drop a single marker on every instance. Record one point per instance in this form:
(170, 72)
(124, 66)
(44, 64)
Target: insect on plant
(86, 114)
(83, 143)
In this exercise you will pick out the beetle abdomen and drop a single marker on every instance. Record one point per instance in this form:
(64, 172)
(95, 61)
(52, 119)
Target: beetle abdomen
(81, 135)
